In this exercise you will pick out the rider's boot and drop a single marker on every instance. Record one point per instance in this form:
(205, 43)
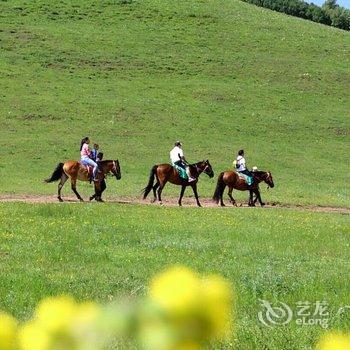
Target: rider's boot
(188, 172)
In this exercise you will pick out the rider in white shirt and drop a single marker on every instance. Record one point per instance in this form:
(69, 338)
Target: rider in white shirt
(177, 158)
(240, 164)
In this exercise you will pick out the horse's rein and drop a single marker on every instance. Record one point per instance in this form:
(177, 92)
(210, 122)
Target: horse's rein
(267, 178)
(113, 169)
(199, 169)
(114, 166)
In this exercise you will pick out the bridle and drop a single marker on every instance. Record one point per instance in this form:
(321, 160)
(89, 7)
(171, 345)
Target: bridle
(199, 170)
(268, 179)
(113, 170)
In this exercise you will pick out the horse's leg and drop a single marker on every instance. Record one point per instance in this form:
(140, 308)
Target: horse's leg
(230, 196)
(160, 189)
(194, 188)
(63, 180)
(103, 187)
(251, 202)
(155, 191)
(183, 188)
(222, 196)
(98, 191)
(74, 188)
(258, 196)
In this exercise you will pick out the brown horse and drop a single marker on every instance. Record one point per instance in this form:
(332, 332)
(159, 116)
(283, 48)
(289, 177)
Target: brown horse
(234, 181)
(166, 172)
(76, 171)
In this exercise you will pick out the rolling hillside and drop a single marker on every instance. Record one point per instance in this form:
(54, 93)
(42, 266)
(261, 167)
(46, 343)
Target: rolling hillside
(137, 75)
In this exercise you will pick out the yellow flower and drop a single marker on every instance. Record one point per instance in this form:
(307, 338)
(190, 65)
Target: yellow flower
(217, 299)
(334, 341)
(193, 310)
(187, 345)
(84, 325)
(56, 314)
(175, 290)
(33, 337)
(8, 330)
(86, 312)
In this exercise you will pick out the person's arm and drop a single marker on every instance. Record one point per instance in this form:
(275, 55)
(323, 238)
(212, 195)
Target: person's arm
(88, 152)
(181, 156)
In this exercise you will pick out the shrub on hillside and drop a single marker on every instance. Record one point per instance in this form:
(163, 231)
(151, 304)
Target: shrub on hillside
(330, 13)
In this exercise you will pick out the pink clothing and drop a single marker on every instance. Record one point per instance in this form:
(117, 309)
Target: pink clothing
(85, 152)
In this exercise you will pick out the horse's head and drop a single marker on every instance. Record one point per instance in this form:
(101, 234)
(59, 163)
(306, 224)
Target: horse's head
(206, 168)
(116, 169)
(267, 177)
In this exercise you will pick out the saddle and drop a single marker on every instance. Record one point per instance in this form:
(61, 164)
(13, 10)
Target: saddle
(248, 179)
(181, 171)
(88, 168)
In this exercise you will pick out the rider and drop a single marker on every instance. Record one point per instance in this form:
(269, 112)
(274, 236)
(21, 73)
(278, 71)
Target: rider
(94, 152)
(85, 157)
(241, 167)
(177, 158)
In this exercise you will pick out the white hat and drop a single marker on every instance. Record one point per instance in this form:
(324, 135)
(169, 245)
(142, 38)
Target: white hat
(254, 168)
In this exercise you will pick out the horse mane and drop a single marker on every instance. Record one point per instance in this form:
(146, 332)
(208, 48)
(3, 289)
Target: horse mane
(259, 172)
(107, 161)
(194, 164)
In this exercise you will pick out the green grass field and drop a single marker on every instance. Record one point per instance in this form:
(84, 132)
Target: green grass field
(271, 254)
(136, 76)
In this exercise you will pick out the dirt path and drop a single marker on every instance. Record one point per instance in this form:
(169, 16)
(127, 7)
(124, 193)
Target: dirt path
(187, 202)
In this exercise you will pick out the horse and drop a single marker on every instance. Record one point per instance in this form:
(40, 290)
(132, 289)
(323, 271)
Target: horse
(166, 172)
(234, 181)
(74, 171)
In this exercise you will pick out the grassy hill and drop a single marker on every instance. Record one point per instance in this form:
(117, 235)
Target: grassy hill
(137, 75)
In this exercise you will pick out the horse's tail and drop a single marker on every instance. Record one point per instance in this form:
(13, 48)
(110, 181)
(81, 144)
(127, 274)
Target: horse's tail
(148, 188)
(220, 186)
(57, 173)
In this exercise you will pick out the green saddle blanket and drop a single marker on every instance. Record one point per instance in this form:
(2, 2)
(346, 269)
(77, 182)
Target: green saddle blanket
(246, 178)
(182, 172)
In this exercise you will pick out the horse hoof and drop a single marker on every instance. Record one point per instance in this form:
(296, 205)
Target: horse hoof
(91, 198)
(222, 205)
(251, 205)
(81, 199)
(262, 204)
(60, 199)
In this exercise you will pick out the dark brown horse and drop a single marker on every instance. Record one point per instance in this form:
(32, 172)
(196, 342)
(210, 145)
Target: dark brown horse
(74, 171)
(165, 172)
(233, 181)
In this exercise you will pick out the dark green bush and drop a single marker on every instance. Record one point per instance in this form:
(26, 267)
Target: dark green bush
(330, 13)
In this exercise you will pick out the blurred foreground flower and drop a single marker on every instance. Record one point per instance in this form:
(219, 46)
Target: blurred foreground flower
(8, 332)
(183, 311)
(334, 341)
(191, 310)
(60, 323)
